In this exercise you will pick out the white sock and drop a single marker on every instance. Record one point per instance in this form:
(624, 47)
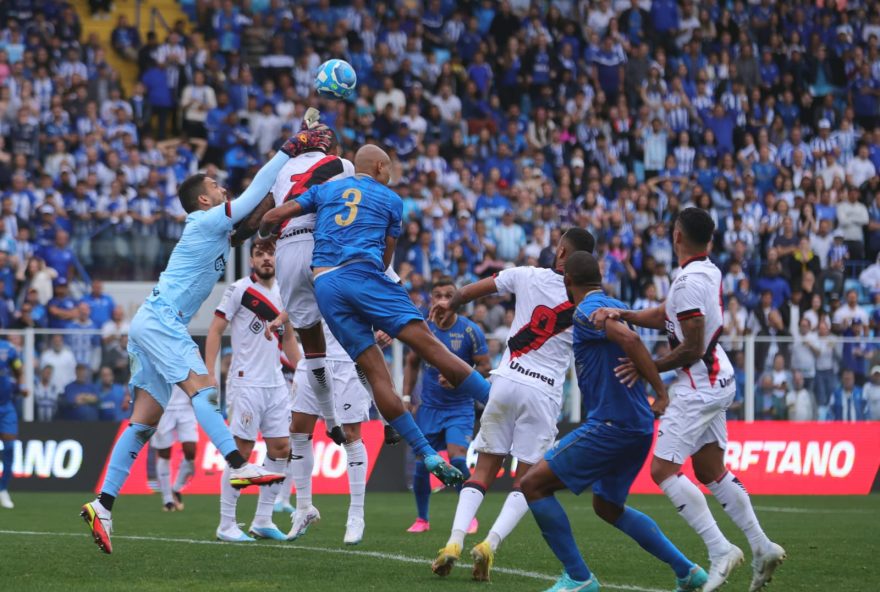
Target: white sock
(357, 477)
(515, 507)
(735, 500)
(302, 461)
(266, 501)
(692, 506)
(163, 477)
(321, 381)
(283, 496)
(184, 473)
(228, 501)
(469, 500)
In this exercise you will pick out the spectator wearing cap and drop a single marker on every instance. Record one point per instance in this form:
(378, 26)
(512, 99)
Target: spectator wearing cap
(61, 308)
(80, 399)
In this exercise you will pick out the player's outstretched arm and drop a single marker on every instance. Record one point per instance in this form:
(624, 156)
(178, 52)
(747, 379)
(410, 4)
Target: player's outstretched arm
(257, 190)
(441, 312)
(652, 318)
(274, 217)
(249, 226)
(640, 357)
(212, 342)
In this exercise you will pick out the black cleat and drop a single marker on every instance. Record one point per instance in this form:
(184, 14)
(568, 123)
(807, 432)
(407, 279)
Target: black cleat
(392, 436)
(169, 507)
(337, 435)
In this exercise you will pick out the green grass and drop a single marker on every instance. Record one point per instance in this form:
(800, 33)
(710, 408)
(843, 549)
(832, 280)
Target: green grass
(831, 542)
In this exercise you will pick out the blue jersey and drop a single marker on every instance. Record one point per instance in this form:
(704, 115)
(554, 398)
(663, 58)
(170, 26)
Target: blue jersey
(605, 397)
(466, 340)
(10, 363)
(354, 215)
(197, 261)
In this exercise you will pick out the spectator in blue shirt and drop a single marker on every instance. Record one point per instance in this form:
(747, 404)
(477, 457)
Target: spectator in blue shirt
(101, 304)
(155, 81)
(61, 308)
(113, 400)
(80, 399)
(59, 256)
(847, 402)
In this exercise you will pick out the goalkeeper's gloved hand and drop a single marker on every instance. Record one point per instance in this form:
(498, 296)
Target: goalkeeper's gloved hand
(317, 138)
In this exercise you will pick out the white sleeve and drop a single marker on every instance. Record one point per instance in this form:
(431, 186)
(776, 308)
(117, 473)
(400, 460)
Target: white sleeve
(506, 281)
(688, 298)
(229, 303)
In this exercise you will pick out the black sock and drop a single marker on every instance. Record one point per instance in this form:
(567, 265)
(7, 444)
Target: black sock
(107, 500)
(235, 459)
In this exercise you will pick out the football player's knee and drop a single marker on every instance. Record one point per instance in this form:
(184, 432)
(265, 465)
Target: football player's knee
(279, 451)
(707, 475)
(606, 510)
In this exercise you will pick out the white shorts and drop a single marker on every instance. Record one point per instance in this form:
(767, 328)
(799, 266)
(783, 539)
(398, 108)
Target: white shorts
(263, 409)
(518, 420)
(176, 425)
(692, 420)
(293, 262)
(351, 399)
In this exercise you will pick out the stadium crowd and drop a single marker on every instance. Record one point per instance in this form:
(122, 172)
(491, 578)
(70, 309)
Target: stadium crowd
(507, 122)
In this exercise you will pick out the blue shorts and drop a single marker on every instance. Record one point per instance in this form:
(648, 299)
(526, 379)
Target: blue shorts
(161, 351)
(8, 419)
(443, 426)
(605, 456)
(355, 298)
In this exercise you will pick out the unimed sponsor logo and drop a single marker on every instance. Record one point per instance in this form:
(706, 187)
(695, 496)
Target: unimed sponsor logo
(61, 459)
(834, 459)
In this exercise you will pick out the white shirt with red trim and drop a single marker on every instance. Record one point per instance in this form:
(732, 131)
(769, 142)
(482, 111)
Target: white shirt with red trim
(296, 177)
(696, 292)
(248, 306)
(538, 349)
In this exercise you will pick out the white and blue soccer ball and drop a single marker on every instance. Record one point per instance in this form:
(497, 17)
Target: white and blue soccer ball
(335, 79)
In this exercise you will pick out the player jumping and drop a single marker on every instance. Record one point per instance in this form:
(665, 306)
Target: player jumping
(358, 222)
(161, 350)
(695, 425)
(609, 449)
(10, 383)
(258, 396)
(526, 396)
(445, 415)
(178, 424)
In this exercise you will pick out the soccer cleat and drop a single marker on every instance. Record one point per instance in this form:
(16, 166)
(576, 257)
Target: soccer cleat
(484, 559)
(337, 435)
(420, 525)
(354, 531)
(169, 507)
(250, 474)
(443, 470)
(301, 520)
(232, 534)
(446, 559)
(473, 527)
(721, 567)
(178, 500)
(694, 581)
(100, 523)
(5, 500)
(284, 507)
(267, 531)
(565, 583)
(392, 437)
(764, 564)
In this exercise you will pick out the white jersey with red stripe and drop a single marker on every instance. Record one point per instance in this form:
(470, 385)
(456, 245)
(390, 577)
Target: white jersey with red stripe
(538, 349)
(696, 292)
(248, 306)
(296, 177)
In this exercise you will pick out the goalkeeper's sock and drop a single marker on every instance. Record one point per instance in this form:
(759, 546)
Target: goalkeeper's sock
(209, 417)
(125, 451)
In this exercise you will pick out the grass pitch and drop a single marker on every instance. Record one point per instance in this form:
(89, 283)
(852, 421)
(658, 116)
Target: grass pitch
(44, 545)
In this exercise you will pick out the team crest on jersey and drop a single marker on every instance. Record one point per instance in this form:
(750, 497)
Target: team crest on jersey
(220, 264)
(455, 341)
(256, 326)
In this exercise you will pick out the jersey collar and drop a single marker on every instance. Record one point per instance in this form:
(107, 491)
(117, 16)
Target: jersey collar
(700, 257)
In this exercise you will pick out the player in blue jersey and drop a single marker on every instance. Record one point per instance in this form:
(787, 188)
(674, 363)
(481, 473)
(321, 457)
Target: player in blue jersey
(10, 384)
(609, 449)
(445, 415)
(357, 226)
(161, 350)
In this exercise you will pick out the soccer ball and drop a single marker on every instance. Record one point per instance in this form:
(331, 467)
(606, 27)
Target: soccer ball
(335, 79)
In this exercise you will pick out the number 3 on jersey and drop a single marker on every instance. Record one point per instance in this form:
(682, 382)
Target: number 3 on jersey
(352, 198)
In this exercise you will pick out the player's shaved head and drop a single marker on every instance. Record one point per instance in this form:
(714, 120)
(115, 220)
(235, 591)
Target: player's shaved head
(582, 270)
(373, 161)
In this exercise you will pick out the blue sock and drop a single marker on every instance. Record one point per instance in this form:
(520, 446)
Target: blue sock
(643, 530)
(556, 529)
(209, 417)
(460, 463)
(125, 451)
(409, 431)
(8, 458)
(422, 489)
(476, 387)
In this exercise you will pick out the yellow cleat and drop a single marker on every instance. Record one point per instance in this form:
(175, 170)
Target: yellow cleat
(484, 559)
(446, 558)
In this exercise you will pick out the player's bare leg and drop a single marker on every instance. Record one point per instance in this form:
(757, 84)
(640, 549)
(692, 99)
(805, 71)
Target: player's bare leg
(145, 416)
(185, 473)
(356, 454)
(302, 462)
(709, 469)
(319, 377)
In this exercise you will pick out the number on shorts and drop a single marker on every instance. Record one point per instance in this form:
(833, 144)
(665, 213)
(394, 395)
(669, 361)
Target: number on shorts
(352, 203)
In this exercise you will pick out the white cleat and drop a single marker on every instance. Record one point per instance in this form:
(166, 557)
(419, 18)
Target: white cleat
(5, 500)
(251, 474)
(354, 531)
(721, 567)
(301, 520)
(764, 565)
(233, 534)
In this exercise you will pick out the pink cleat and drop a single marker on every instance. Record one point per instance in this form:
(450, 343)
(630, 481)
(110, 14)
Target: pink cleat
(420, 525)
(472, 529)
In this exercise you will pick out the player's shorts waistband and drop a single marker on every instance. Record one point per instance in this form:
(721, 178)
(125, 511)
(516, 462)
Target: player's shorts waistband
(346, 264)
(295, 232)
